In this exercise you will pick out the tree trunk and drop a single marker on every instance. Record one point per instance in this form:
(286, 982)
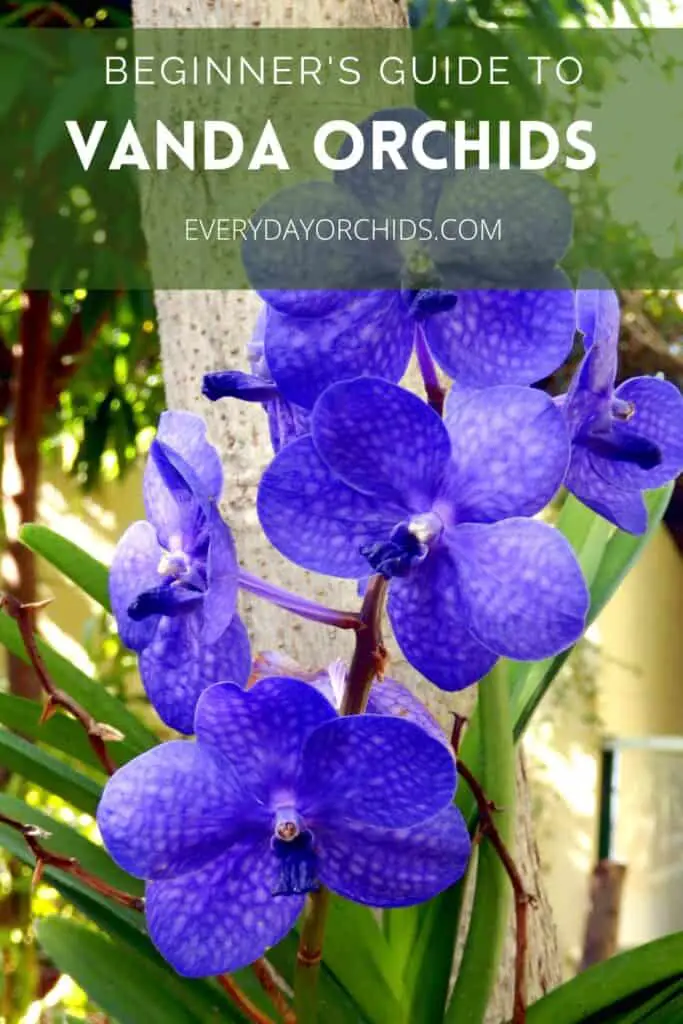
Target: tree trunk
(31, 373)
(203, 331)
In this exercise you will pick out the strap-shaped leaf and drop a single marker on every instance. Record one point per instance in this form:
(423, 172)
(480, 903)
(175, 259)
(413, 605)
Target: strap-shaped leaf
(120, 980)
(47, 771)
(90, 575)
(89, 693)
(61, 732)
(589, 997)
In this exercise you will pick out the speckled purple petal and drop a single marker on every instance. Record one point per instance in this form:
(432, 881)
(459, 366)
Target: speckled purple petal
(314, 519)
(536, 224)
(177, 666)
(410, 192)
(185, 433)
(169, 811)
(134, 569)
(503, 337)
(657, 417)
(597, 315)
(220, 599)
(376, 769)
(222, 917)
(175, 500)
(430, 624)
(300, 302)
(261, 732)
(510, 452)
(300, 257)
(523, 586)
(370, 333)
(588, 480)
(382, 440)
(389, 697)
(394, 867)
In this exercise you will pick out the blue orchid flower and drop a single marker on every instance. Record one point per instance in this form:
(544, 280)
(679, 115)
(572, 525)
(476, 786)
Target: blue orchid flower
(277, 796)
(625, 439)
(442, 510)
(174, 578)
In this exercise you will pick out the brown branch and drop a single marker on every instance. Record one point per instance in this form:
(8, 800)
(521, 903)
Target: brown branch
(369, 656)
(523, 899)
(45, 858)
(242, 1001)
(266, 977)
(98, 733)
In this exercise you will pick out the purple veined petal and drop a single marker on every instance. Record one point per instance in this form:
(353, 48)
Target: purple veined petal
(658, 418)
(523, 587)
(286, 422)
(236, 384)
(177, 666)
(411, 191)
(369, 334)
(503, 337)
(261, 731)
(185, 433)
(510, 452)
(394, 867)
(389, 697)
(134, 569)
(536, 224)
(430, 623)
(597, 314)
(175, 499)
(220, 598)
(300, 303)
(589, 480)
(314, 519)
(374, 769)
(169, 811)
(382, 440)
(223, 916)
(287, 250)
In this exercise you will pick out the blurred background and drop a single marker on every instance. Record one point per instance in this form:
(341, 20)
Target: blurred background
(80, 393)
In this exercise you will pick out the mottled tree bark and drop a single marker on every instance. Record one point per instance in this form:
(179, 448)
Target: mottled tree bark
(202, 331)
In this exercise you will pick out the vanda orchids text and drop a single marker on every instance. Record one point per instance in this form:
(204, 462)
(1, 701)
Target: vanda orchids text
(221, 145)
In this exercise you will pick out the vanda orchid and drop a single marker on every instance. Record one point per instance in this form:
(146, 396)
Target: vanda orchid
(319, 823)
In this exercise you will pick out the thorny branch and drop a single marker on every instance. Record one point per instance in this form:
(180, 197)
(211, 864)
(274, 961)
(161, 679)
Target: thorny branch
(242, 1001)
(522, 899)
(98, 733)
(33, 837)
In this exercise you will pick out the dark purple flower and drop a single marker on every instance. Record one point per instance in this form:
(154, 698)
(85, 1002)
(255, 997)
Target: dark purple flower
(277, 796)
(173, 580)
(625, 440)
(286, 420)
(441, 509)
(493, 310)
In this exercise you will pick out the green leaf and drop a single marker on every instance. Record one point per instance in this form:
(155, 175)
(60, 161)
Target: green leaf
(81, 89)
(120, 980)
(593, 992)
(61, 732)
(36, 765)
(492, 895)
(356, 954)
(101, 705)
(73, 562)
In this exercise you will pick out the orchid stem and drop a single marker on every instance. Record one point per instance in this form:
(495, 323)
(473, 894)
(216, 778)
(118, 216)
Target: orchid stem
(367, 662)
(369, 656)
(309, 956)
(435, 393)
(298, 605)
